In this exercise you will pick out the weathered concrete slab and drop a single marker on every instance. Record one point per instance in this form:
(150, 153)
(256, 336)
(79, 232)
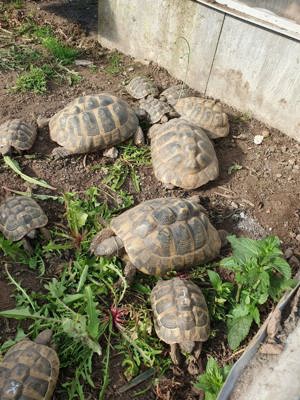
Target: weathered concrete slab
(258, 71)
(247, 66)
(161, 31)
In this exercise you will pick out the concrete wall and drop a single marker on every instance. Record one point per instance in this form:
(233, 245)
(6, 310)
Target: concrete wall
(246, 66)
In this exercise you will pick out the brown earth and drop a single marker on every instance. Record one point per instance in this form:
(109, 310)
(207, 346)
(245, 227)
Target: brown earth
(261, 198)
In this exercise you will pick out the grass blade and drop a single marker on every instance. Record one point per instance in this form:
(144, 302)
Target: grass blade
(15, 167)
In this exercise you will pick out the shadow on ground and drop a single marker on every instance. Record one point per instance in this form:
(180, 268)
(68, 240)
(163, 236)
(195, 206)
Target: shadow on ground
(84, 13)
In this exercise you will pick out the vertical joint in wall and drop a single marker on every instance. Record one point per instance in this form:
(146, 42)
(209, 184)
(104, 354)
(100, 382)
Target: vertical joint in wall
(216, 49)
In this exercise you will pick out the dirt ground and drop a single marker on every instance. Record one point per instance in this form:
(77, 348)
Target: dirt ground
(261, 198)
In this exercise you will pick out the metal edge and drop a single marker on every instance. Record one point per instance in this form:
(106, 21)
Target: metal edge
(251, 350)
(249, 14)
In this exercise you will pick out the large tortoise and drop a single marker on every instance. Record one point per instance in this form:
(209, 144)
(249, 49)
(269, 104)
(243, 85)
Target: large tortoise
(29, 370)
(208, 114)
(140, 87)
(181, 317)
(160, 235)
(16, 134)
(182, 155)
(93, 122)
(20, 217)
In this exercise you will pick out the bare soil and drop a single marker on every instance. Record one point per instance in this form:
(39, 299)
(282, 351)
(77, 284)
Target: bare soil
(261, 198)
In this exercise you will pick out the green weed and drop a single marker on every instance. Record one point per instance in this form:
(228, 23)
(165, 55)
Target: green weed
(63, 54)
(213, 379)
(114, 66)
(35, 80)
(126, 166)
(233, 168)
(261, 273)
(18, 57)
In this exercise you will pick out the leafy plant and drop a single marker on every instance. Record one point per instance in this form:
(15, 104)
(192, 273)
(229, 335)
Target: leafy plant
(233, 168)
(131, 157)
(64, 54)
(260, 272)
(35, 80)
(212, 380)
(18, 57)
(222, 296)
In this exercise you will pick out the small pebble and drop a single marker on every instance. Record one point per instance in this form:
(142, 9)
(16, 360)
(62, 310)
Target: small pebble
(298, 237)
(294, 262)
(111, 153)
(278, 175)
(288, 253)
(258, 139)
(83, 63)
(130, 69)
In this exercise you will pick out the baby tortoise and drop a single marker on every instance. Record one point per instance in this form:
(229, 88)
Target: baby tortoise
(174, 93)
(140, 87)
(181, 317)
(208, 114)
(160, 235)
(156, 110)
(93, 122)
(182, 155)
(29, 370)
(20, 217)
(16, 134)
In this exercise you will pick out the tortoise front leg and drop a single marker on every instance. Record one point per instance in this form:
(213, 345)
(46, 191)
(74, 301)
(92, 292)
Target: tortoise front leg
(27, 246)
(60, 152)
(45, 233)
(175, 353)
(138, 137)
(194, 362)
(129, 273)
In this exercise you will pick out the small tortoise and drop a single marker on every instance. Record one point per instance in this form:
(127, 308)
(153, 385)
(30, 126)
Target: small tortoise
(156, 110)
(182, 155)
(208, 114)
(140, 87)
(20, 217)
(93, 122)
(160, 235)
(16, 134)
(174, 93)
(29, 370)
(181, 317)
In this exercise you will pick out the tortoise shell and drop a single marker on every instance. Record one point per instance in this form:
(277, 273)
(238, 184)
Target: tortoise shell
(180, 311)
(29, 371)
(93, 122)
(20, 215)
(183, 155)
(17, 134)
(176, 92)
(208, 114)
(154, 108)
(167, 234)
(140, 87)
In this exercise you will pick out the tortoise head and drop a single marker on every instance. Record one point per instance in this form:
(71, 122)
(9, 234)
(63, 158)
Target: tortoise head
(187, 346)
(109, 247)
(5, 146)
(44, 337)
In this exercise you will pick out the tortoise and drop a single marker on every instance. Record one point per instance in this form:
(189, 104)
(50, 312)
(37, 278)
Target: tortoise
(140, 87)
(30, 370)
(93, 122)
(20, 217)
(156, 110)
(182, 155)
(181, 317)
(208, 114)
(160, 235)
(16, 134)
(174, 93)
